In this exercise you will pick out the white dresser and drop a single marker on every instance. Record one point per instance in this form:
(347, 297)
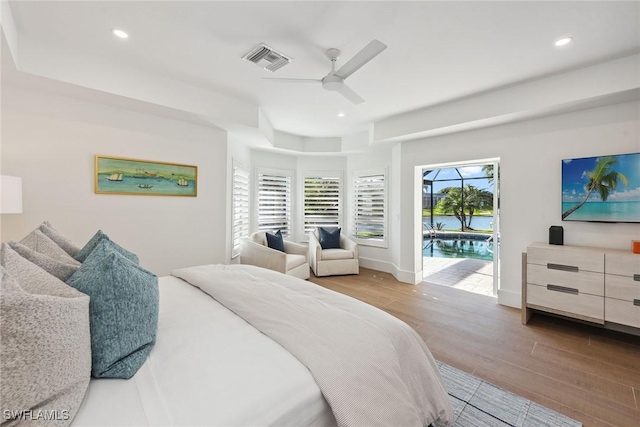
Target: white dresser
(596, 285)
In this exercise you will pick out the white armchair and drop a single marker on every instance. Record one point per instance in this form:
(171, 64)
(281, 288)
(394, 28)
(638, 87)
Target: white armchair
(294, 261)
(333, 262)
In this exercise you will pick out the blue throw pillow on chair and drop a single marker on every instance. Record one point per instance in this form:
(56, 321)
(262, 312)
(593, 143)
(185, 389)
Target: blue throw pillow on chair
(329, 238)
(275, 241)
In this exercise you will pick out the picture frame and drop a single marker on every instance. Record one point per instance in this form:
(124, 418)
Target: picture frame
(136, 177)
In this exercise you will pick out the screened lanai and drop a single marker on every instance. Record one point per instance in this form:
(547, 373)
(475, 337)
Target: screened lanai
(458, 227)
(449, 183)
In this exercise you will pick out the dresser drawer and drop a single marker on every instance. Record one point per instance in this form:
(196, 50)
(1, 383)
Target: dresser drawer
(622, 312)
(621, 287)
(585, 305)
(566, 257)
(586, 282)
(624, 264)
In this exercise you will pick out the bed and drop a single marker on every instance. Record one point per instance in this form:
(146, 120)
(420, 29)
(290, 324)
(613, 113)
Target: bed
(91, 338)
(208, 367)
(211, 365)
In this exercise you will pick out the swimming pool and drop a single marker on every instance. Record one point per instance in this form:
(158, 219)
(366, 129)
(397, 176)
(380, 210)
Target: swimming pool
(458, 248)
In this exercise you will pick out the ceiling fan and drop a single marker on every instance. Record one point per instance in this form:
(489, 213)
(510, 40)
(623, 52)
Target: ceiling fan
(334, 81)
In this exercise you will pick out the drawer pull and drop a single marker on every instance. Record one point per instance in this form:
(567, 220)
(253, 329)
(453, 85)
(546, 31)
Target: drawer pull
(636, 302)
(562, 267)
(563, 289)
(636, 277)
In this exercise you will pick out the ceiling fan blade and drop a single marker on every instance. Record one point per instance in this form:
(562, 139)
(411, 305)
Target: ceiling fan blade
(287, 80)
(369, 52)
(348, 93)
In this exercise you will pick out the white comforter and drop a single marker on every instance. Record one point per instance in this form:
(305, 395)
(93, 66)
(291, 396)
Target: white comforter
(208, 367)
(373, 369)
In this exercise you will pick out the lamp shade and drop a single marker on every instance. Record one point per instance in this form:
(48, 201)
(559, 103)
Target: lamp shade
(10, 194)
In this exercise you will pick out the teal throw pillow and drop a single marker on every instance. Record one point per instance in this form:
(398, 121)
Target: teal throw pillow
(123, 311)
(99, 237)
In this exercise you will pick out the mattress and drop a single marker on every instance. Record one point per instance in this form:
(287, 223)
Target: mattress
(208, 367)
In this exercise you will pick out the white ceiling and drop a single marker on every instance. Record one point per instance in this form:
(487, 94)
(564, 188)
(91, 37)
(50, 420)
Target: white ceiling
(438, 51)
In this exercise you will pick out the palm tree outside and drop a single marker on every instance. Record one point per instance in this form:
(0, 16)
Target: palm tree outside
(461, 202)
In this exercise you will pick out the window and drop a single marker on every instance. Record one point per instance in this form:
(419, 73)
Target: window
(274, 201)
(321, 200)
(370, 207)
(240, 215)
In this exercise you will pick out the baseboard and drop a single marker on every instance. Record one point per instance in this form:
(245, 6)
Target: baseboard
(413, 278)
(388, 267)
(509, 298)
(375, 264)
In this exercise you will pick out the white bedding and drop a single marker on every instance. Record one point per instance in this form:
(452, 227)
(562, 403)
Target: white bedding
(372, 368)
(208, 367)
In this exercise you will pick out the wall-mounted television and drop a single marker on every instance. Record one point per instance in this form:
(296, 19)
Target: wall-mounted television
(601, 189)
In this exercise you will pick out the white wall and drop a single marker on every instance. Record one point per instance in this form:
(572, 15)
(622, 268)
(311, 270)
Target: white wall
(50, 141)
(530, 154)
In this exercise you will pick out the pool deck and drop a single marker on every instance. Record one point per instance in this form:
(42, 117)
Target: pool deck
(472, 275)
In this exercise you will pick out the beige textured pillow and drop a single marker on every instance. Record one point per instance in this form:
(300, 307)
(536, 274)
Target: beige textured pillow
(32, 278)
(59, 269)
(45, 357)
(39, 242)
(60, 239)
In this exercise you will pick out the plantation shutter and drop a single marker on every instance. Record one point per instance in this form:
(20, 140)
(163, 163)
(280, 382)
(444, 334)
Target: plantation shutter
(321, 202)
(240, 207)
(274, 202)
(370, 207)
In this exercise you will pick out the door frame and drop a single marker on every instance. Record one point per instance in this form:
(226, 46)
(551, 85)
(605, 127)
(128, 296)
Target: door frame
(495, 161)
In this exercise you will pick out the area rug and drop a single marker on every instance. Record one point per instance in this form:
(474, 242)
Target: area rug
(476, 403)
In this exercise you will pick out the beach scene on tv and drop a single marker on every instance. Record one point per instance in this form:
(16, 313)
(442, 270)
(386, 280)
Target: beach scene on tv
(603, 189)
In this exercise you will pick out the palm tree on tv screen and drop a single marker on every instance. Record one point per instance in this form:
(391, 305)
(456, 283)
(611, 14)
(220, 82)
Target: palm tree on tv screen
(601, 179)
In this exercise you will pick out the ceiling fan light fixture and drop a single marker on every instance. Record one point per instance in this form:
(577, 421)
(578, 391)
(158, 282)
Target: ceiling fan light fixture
(332, 83)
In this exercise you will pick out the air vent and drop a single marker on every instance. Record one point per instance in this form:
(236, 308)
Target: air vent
(267, 58)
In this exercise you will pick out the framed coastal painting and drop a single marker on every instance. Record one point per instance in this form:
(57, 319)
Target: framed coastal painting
(117, 175)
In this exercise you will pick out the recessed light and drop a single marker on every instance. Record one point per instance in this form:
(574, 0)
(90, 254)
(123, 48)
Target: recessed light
(341, 114)
(563, 41)
(120, 33)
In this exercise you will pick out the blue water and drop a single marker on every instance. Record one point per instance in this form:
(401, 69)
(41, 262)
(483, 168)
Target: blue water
(457, 248)
(159, 186)
(604, 211)
(450, 222)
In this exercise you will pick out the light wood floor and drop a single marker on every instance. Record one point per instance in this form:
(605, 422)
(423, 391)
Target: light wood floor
(584, 372)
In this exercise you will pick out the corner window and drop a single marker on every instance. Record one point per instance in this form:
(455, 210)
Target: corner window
(274, 201)
(370, 207)
(240, 216)
(322, 207)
